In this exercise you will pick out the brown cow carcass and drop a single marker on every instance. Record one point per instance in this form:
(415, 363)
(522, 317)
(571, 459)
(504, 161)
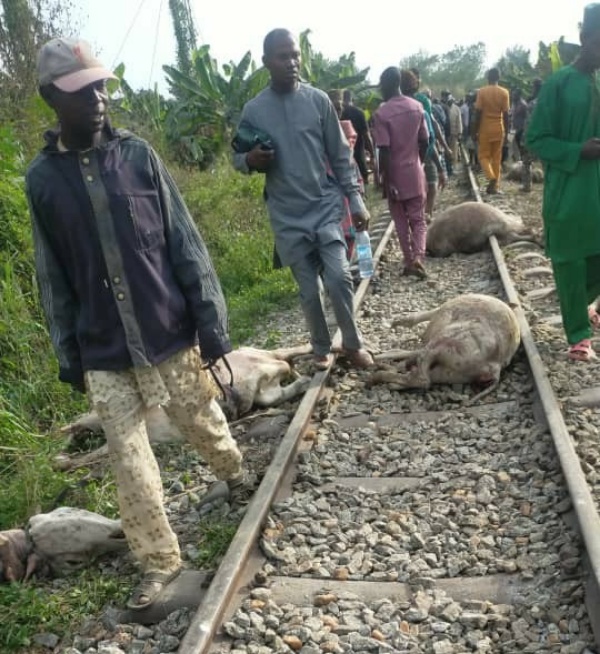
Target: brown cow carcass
(467, 227)
(469, 340)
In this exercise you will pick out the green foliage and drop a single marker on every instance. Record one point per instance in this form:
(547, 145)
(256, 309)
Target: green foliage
(185, 32)
(231, 215)
(216, 537)
(458, 69)
(209, 102)
(24, 26)
(516, 70)
(29, 609)
(326, 74)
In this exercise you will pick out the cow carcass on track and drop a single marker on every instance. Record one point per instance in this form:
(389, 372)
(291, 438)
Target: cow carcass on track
(261, 378)
(470, 339)
(467, 227)
(515, 173)
(58, 543)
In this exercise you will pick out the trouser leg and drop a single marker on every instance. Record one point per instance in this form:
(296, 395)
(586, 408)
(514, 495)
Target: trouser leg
(496, 161)
(398, 213)
(484, 152)
(306, 274)
(415, 214)
(526, 158)
(571, 279)
(361, 161)
(454, 147)
(194, 410)
(338, 282)
(116, 399)
(431, 196)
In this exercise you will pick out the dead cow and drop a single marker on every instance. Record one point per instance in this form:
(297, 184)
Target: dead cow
(57, 543)
(515, 173)
(259, 380)
(467, 227)
(469, 339)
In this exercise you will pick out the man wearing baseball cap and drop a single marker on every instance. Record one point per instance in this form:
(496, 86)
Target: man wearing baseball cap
(131, 297)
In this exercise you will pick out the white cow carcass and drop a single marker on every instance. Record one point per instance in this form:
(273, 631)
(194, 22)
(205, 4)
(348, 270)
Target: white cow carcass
(261, 378)
(469, 340)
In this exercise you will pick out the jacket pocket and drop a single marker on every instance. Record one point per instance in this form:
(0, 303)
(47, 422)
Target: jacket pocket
(145, 217)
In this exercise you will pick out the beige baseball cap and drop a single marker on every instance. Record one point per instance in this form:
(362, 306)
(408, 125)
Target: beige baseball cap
(70, 65)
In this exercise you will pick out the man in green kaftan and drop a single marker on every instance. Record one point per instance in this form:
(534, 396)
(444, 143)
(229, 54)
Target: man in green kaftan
(564, 132)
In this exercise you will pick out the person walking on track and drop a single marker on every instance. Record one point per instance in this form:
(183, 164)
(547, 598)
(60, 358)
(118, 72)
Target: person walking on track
(129, 290)
(490, 128)
(564, 132)
(306, 202)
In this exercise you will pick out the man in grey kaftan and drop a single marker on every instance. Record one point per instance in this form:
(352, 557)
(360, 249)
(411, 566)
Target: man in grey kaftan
(308, 173)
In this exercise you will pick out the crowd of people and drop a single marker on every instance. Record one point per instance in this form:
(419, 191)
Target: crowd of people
(134, 307)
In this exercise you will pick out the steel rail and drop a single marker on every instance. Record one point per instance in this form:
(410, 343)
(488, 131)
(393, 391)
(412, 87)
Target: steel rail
(582, 499)
(209, 614)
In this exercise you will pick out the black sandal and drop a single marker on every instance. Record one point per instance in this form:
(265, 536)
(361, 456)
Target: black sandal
(149, 588)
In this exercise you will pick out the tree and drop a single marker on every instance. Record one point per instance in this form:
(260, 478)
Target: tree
(325, 74)
(24, 26)
(458, 69)
(515, 69)
(424, 62)
(185, 33)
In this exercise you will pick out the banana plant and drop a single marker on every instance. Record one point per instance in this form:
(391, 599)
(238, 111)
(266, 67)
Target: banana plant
(208, 102)
(317, 70)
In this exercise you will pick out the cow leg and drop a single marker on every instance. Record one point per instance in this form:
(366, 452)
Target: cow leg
(490, 376)
(413, 318)
(289, 353)
(277, 394)
(71, 462)
(413, 377)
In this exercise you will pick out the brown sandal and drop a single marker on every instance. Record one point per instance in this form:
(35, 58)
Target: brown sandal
(150, 587)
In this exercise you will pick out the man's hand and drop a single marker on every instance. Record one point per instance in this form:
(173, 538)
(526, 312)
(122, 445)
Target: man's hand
(442, 179)
(360, 220)
(260, 159)
(590, 149)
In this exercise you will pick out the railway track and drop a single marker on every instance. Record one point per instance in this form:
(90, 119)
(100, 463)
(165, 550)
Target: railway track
(411, 522)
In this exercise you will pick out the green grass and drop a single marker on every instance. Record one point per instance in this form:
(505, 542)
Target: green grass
(28, 609)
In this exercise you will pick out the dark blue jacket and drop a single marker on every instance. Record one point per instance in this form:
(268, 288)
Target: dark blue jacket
(124, 276)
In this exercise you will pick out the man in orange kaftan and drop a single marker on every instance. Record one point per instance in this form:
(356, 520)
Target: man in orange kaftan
(490, 127)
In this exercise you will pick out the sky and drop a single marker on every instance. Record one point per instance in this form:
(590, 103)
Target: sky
(139, 33)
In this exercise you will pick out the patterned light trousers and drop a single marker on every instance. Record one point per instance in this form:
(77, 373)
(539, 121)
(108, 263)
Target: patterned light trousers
(120, 399)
